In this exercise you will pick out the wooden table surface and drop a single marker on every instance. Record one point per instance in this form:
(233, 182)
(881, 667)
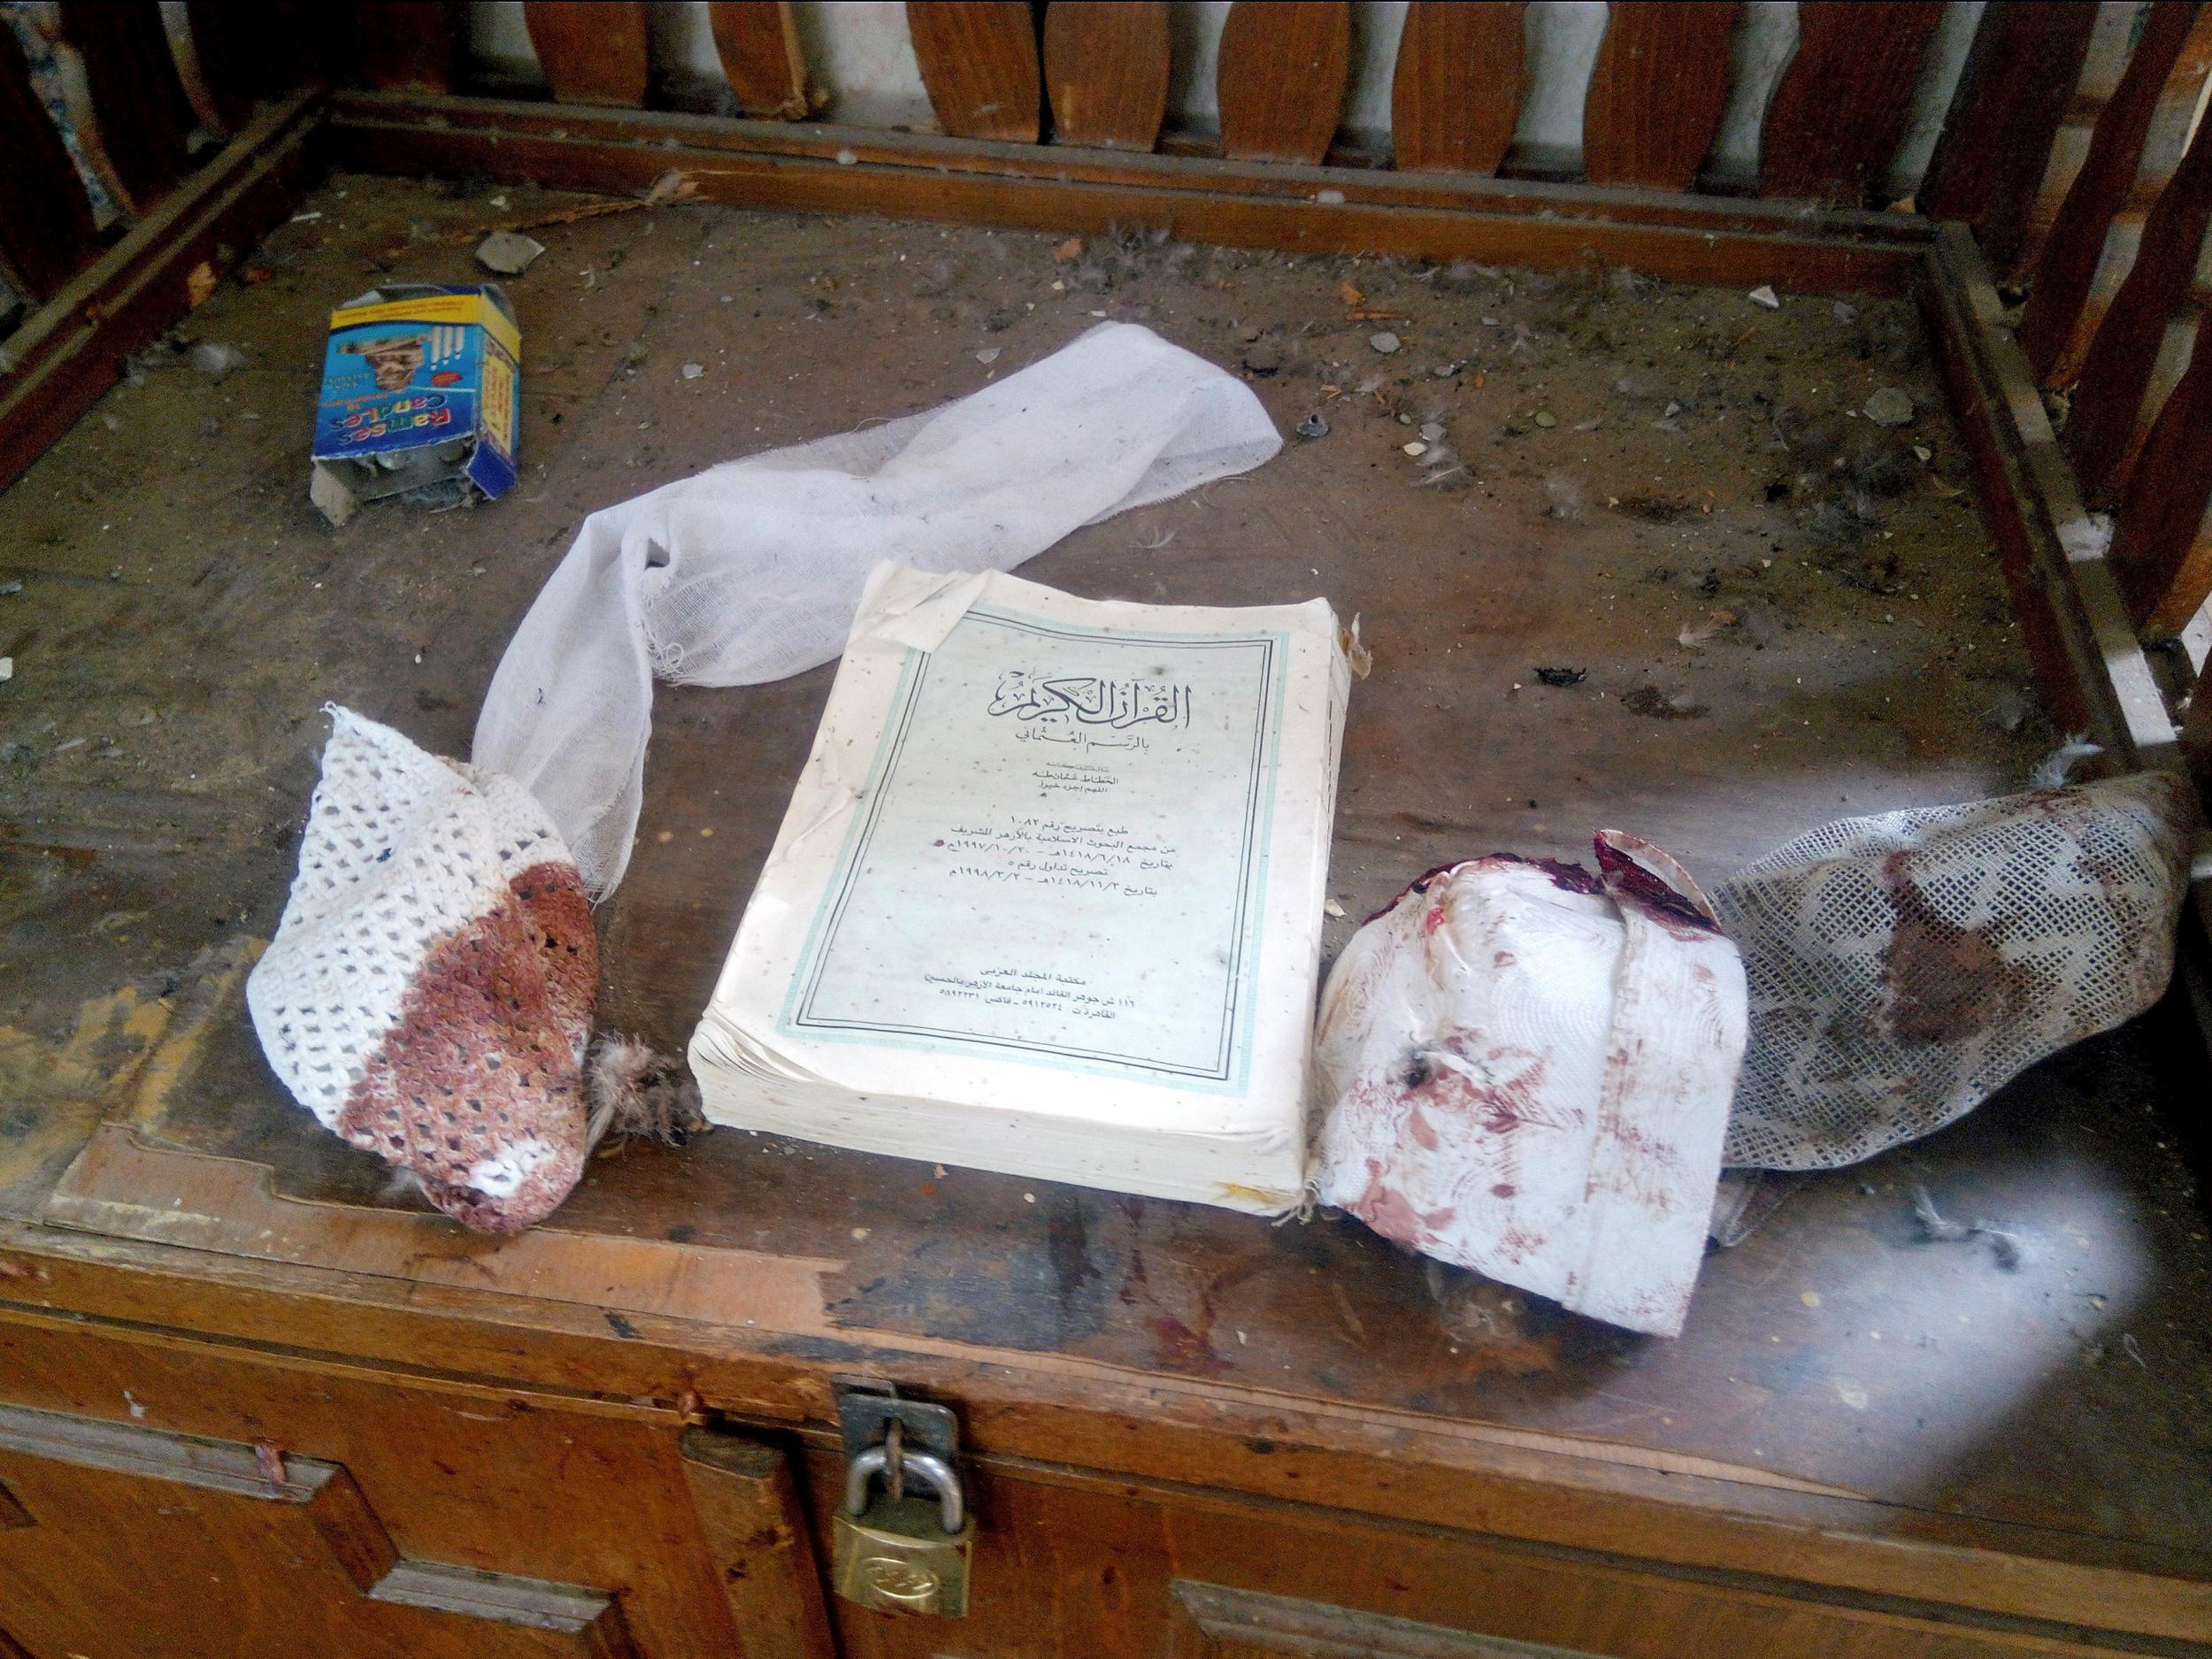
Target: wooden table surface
(185, 614)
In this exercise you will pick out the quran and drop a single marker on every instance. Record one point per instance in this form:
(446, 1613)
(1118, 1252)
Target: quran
(1047, 897)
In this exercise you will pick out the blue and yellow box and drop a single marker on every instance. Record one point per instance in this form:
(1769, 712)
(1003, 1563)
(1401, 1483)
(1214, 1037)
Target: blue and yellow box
(421, 397)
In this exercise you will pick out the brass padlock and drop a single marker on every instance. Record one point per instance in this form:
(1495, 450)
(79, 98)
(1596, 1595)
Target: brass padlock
(903, 1554)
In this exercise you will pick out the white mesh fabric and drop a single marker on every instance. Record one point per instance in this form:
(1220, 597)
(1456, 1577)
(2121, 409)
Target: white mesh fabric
(428, 993)
(1904, 967)
(750, 571)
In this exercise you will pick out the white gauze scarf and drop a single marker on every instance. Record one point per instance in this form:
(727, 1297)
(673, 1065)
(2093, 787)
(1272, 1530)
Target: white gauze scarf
(750, 571)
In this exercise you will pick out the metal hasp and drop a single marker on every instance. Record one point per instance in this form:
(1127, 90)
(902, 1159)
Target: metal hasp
(896, 1551)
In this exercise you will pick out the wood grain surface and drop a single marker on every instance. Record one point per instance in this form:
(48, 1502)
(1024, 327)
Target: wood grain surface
(401, 45)
(592, 51)
(2142, 347)
(46, 228)
(1281, 77)
(2162, 545)
(2018, 83)
(1457, 92)
(2139, 140)
(978, 63)
(1106, 73)
(1656, 92)
(144, 116)
(1838, 111)
(758, 41)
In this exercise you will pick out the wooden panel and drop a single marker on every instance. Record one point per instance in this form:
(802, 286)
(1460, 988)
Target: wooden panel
(758, 41)
(144, 116)
(181, 1544)
(978, 63)
(2196, 734)
(1106, 73)
(1068, 1563)
(2162, 551)
(399, 45)
(1838, 111)
(1281, 77)
(455, 1513)
(2019, 79)
(2144, 342)
(1457, 92)
(755, 1523)
(1656, 92)
(2138, 139)
(592, 51)
(46, 229)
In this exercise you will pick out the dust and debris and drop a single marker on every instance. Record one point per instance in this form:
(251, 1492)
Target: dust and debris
(1563, 676)
(2052, 770)
(2010, 1249)
(1357, 657)
(1563, 498)
(1657, 704)
(216, 360)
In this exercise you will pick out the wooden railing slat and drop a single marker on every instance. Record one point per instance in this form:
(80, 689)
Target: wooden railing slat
(145, 121)
(1456, 95)
(1281, 77)
(592, 51)
(978, 63)
(46, 228)
(1996, 140)
(1656, 92)
(2162, 551)
(405, 45)
(2138, 141)
(758, 41)
(1106, 73)
(1839, 112)
(2120, 390)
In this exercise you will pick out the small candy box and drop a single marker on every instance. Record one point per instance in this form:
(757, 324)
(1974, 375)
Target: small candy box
(422, 396)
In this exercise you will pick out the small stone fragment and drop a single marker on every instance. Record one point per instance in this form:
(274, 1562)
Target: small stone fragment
(1846, 313)
(1765, 296)
(7, 588)
(1068, 251)
(1889, 407)
(1314, 425)
(1434, 431)
(507, 252)
(989, 354)
(1563, 676)
(1546, 418)
(692, 371)
(1416, 448)
(1384, 343)
(1445, 371)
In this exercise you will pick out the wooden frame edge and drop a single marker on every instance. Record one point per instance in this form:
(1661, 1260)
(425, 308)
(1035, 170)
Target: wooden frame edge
(815, 168)
(2091, 665)
(71, 350)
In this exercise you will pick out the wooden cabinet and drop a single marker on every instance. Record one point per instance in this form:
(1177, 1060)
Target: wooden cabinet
(170, 1499)
(162, 1495)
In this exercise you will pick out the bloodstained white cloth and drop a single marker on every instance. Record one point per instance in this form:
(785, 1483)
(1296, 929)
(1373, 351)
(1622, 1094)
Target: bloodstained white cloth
(1525, 1070)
